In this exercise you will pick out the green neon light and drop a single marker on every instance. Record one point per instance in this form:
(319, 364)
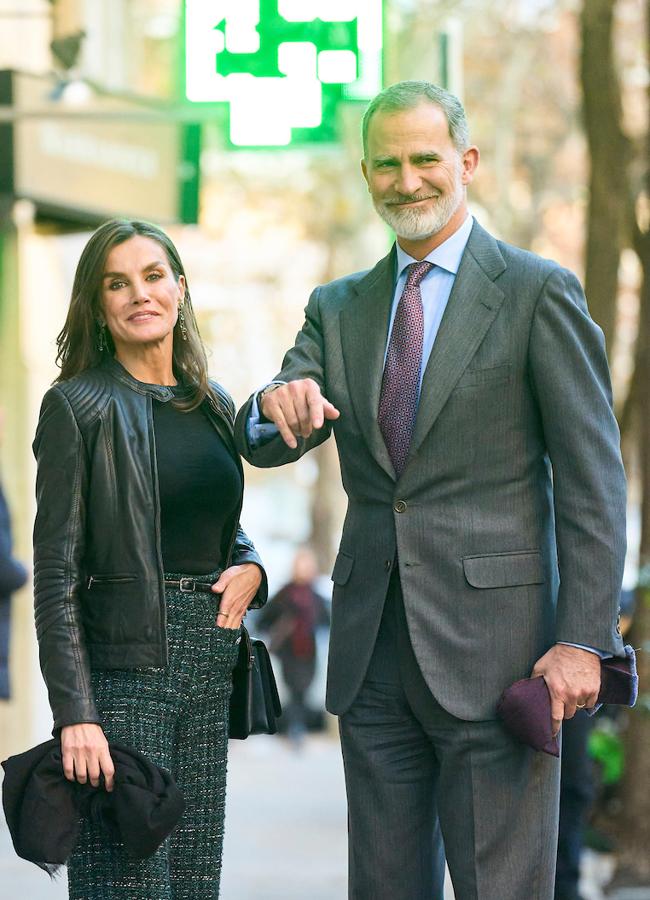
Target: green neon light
(283, 66)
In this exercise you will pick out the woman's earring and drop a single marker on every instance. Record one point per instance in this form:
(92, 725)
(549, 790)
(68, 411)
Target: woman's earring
(181, 322)
(101, 340)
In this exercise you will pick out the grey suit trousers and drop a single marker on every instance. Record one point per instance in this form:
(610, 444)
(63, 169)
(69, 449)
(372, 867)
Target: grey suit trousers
(408, 761)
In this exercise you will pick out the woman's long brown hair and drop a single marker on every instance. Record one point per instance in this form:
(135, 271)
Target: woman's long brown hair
(78, 341)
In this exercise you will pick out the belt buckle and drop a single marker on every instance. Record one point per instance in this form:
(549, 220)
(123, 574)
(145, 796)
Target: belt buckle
(187, 585)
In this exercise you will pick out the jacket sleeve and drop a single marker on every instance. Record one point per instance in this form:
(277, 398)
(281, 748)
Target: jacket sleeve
(59, 529)
(13, 574)
(570, 377)
(244, 552)
(306, 359)
(273, 611)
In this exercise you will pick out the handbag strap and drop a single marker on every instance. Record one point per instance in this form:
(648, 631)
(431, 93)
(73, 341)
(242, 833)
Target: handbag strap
(248, 644)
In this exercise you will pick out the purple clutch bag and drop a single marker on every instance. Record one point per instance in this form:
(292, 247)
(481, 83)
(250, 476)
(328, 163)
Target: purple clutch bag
(525, 707)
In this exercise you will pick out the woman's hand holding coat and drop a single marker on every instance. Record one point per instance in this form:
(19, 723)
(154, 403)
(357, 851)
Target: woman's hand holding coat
(85, 753)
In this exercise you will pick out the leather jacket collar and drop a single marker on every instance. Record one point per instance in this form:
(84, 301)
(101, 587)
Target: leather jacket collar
(158, 391)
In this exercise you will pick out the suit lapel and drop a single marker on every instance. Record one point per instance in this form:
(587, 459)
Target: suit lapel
(472, 307)
(364, 326)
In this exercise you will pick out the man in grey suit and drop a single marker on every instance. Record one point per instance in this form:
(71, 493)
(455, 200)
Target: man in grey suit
(468, 391)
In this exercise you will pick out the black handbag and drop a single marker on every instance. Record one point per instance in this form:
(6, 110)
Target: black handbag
(254, 702)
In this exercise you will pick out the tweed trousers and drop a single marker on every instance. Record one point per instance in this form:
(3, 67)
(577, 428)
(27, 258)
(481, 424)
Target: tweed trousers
(177, 716)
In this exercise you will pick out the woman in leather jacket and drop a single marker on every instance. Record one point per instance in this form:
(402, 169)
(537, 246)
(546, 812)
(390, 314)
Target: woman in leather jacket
(142, 573)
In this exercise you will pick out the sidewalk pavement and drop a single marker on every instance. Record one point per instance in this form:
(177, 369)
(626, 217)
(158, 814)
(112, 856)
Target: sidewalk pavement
(286, 828)
(285, 831)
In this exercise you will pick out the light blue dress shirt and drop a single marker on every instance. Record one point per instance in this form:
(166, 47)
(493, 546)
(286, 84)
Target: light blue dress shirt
(435, 287)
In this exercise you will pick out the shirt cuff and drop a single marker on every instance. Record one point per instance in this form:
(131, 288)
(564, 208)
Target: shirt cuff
(601, 653)
(259, 433)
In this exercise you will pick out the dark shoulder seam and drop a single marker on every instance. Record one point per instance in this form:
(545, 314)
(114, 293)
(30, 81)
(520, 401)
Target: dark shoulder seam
(224, 401)
(87, 401)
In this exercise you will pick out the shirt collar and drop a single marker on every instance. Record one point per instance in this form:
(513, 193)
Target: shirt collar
(447, 255)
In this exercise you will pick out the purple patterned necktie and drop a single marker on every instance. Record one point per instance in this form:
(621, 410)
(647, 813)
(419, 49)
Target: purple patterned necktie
(398, 401)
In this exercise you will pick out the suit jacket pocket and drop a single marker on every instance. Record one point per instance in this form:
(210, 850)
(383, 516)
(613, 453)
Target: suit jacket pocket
(342, 568)
(504, 569)
(492, 376)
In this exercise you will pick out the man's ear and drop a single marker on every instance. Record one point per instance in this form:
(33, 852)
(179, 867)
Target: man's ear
(364, 169)
(470, 162)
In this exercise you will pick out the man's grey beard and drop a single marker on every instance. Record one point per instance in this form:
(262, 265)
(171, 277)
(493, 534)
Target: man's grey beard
(415, 224)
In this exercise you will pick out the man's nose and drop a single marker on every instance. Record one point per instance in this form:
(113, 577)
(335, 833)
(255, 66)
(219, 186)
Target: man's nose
(408, 180)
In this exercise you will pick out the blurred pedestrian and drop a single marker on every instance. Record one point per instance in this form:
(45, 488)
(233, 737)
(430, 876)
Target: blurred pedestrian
(13, 576)
(141, 571)
(292, 618)
(470, 397)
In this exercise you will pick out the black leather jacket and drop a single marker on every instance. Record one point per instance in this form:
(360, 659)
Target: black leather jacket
(98, 575)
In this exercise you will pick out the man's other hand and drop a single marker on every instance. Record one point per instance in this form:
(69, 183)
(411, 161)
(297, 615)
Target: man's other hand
(572, 676)
(297, 408)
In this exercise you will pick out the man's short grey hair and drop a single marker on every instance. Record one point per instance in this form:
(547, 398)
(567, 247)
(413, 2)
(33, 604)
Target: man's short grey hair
(409, 94)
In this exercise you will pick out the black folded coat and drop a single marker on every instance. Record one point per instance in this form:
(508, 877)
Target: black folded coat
(43, 809)
(525, 707)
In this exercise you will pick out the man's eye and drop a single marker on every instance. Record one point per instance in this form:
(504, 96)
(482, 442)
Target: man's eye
(384, 164)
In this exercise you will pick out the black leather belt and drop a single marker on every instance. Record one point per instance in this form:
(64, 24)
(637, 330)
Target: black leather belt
(190, 586)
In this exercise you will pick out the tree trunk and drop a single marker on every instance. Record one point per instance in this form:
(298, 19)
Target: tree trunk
(608, 211)
(634, 825)
(611, 225)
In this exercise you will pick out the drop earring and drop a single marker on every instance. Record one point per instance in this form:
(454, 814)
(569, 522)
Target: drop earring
(101, 338)
(181, 322)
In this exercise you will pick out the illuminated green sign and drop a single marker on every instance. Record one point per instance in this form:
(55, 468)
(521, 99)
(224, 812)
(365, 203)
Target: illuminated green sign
(283, 66)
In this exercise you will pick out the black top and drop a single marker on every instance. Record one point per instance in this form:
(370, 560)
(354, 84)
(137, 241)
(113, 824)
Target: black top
(200, 487)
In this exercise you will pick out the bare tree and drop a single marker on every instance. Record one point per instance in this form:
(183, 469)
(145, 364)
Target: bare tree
(635, 819)
(608, 214)
(612, 225)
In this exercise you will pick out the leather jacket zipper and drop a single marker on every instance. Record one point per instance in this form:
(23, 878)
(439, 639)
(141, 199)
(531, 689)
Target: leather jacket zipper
(158, 528)
(109, 579)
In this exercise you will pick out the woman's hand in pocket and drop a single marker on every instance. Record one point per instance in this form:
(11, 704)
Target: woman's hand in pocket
(237, 586)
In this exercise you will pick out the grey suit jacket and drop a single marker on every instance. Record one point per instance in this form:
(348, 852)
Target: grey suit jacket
(508, 522)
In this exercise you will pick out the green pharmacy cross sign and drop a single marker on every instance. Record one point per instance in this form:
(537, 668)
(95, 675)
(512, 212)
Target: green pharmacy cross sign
(283, 66)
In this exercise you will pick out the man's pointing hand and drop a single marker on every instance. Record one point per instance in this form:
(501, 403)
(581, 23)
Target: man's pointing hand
(297, 408)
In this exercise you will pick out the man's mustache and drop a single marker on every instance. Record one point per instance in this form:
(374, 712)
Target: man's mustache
(409, 198)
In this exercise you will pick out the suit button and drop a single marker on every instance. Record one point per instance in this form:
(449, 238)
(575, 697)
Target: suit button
(400, 506)
(387, 565)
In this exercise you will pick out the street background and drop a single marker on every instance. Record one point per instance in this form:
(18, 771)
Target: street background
(119, 109)
(285, 832)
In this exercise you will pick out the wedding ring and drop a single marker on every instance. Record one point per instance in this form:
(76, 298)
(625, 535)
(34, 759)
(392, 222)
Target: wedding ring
(580, 705)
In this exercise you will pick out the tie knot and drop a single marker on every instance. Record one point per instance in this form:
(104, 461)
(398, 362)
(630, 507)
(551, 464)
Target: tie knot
(417, 271)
